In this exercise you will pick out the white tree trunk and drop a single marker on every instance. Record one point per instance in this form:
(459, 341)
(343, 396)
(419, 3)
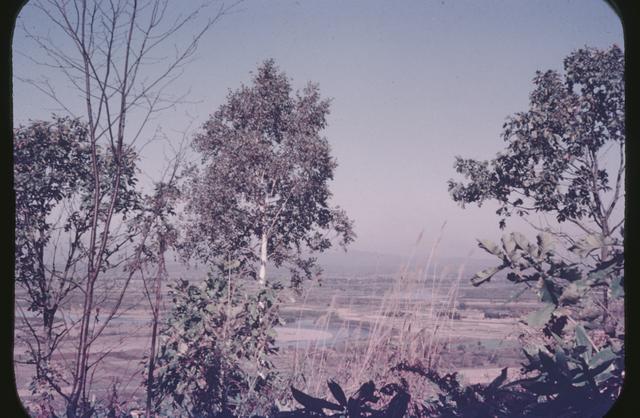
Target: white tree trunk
(262, 275)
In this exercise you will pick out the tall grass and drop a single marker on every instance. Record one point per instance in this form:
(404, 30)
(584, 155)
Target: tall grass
(413, 322)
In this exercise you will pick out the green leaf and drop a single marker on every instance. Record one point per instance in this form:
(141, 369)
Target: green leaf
(570, 295)
(337, 392)
(549, 364)
(521, 262)
(600, 368)
(602, 356)
(547, 292)
(520, 240)
(617, 287)
(531, 353)
(490, 247)
(588, 244)
(561, 359)
(540, 317)
(545, 243)
(484, 275)
(541, 388)
(517, 261)
(604, 376)
(582, 340)
(559, 340)
(599, 275)
(313, 404)
(579, 379)
(509, 245)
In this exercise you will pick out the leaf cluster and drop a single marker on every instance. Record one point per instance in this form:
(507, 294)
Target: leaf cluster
(560, 284)
(550, 163)
(570, 374)
(454, 399)
(265, 172)
(573, 378)
(359, 405)
(54, 188)
(216, 348)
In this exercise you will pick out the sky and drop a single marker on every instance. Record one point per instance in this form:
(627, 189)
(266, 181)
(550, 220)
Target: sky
(413, 84)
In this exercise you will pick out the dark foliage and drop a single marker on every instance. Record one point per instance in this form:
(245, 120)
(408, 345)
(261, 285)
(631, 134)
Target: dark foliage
(550, 163)
(474, 401)
(215, 350)
(362, 404)
(262, 193)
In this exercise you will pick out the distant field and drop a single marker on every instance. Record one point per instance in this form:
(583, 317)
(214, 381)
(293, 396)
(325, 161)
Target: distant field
(338, 321)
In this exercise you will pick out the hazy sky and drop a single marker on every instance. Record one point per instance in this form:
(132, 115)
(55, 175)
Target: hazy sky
(413, 84)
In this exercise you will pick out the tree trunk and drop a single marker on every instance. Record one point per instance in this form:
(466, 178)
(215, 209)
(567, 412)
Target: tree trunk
(154, 328)
(264, 238)
(606, 318)
(262, 276)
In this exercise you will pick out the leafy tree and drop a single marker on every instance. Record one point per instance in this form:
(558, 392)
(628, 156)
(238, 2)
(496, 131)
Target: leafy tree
(262, 194)
(214, 358)
(108, 53)
(50, 165)
(54, 193)
(556, 158)
(555, 163)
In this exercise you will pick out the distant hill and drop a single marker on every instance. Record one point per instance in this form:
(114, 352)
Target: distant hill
(336, 262)
(359, 263)
(364, 263)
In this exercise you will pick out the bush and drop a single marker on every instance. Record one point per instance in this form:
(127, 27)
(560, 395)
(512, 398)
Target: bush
(214, 358)
(578, 369)
(360, 405)
(496, 399)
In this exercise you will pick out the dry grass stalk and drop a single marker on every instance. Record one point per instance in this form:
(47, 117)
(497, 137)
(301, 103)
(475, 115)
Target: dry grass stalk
(413, 322)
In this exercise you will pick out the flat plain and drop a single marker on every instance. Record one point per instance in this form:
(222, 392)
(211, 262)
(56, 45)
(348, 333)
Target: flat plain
(362, 321)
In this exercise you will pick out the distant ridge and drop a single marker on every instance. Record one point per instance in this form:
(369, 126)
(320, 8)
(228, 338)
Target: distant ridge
(364, 263)
(359, 263)
(354, 262)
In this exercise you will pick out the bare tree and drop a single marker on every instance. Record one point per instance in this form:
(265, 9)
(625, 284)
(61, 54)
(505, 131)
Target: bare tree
(158, 215)
(112, 54)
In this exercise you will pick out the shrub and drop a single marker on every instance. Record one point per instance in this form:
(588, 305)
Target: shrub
(495, 399)
(360, 405)
(214, 358)
(577, 370)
